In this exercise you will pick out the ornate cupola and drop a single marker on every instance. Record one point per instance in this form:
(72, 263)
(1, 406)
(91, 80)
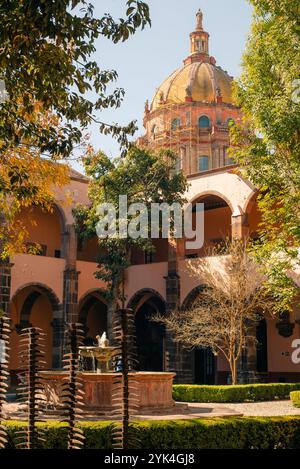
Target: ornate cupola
(199, 43)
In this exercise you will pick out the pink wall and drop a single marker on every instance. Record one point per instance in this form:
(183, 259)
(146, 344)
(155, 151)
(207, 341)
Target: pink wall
(36, 269)
(86, 280)
(146, 276)
(280, 350)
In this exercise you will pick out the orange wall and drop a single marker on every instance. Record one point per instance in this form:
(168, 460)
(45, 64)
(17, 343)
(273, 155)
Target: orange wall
(43, 228)
(217, 225)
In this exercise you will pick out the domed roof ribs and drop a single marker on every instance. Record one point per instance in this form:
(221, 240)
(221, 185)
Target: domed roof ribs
(214, 80)
(193, 75)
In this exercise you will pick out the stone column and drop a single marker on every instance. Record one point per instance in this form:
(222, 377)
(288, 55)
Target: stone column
(177, 359)
(70, 297)
(70, 286)
(70, 246)
(239, 225)
(58, 326)
(5, 286)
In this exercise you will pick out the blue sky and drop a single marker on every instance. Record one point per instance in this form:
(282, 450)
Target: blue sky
(146, 59)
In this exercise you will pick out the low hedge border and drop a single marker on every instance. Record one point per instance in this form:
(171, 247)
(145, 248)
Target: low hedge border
(232, 394)
(218, 433)
(295, 398)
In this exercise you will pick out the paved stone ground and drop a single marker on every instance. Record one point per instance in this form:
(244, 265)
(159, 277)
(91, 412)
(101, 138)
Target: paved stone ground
(192, 411)
(262, 409)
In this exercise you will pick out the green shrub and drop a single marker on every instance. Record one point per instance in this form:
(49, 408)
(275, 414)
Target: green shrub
(240, 393)
(229, 433)
(295, 398)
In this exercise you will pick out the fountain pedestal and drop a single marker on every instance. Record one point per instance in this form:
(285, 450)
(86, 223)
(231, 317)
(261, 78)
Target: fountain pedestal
(154, 389)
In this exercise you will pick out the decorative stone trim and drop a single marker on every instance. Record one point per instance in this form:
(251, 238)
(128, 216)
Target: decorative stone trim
(5, 286)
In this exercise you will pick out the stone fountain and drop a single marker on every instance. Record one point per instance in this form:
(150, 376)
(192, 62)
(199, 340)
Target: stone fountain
(100, 356)
(154, 389)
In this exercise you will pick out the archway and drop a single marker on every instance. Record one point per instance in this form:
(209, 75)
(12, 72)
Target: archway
(150, 335)
(253, 217)
(45, 229)
(204, 360)
(217, 223)
(93, 316)
(37, 305)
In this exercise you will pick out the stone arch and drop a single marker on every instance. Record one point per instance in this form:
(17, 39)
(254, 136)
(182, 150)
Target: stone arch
(33, 293)
(204, 194)
(252, 215)
(250, 201)
(49, 229)
(218, 222)
(141, 296)
(191, 297)
(42, 288)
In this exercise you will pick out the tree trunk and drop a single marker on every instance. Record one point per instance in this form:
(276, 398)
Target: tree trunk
(233, 369)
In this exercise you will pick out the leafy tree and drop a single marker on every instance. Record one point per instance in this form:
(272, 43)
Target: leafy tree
(232, 297)
(46, 57)
(47, 68)
(268, 92)
(26, 179)
(145, 177)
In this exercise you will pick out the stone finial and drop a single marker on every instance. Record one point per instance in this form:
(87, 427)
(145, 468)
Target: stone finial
(199, 20)
(147, 106)
(188, 91)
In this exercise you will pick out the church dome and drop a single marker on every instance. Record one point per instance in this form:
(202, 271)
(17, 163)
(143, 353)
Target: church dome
(200, 79)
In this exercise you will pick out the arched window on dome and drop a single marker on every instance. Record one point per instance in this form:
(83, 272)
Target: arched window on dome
(204, 122)
(175, 124)
(203, 163)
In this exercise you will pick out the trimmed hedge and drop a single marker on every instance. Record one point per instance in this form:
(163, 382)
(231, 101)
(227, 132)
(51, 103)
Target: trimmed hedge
(239, 393)
(295, 398)
(230, 433)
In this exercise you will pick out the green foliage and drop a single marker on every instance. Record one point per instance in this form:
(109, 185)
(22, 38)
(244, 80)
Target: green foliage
(268, 144)
(295, 398)
(238, 393)
(46, 56)
(144, 177)
(218, 433)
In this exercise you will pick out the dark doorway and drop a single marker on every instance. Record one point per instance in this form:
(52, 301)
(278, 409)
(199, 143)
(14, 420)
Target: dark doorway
(262, 347)
(93, 316)
(150, 336)
(205, 367)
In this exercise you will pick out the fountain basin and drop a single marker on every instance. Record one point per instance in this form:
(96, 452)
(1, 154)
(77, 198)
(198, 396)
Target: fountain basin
(154, 389)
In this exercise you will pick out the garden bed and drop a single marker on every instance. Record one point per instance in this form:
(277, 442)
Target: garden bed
(233, 433)
(232, 394)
